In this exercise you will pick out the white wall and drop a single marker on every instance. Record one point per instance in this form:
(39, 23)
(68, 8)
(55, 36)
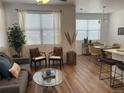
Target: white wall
(3, 34)
(67, 21)
(116, 20)
(104, 28)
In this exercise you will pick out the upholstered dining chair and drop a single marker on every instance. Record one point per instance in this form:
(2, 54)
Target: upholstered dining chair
(114, 46)
(56, 55)
(37, 56)
(95, 53)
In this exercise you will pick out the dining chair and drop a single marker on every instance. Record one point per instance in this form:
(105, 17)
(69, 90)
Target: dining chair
(114, 46)
(37, 56)
(56, 55)
(95, 53)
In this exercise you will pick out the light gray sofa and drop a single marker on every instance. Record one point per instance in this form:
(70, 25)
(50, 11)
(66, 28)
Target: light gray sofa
(16, 85)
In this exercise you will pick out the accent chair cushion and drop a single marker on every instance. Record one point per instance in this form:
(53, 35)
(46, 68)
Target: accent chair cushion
(4, 67)
(15, 70)
(39, 58)
(55, 57)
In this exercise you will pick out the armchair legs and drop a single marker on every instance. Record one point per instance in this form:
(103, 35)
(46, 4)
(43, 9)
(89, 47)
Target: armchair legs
(35, 63)
(35, 66)
(61, 62)
(46, 63)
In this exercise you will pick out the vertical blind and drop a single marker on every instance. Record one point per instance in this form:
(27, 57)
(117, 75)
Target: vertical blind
(42, 28)
(88, 28)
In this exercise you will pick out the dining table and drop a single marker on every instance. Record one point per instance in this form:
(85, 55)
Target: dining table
(102, 47)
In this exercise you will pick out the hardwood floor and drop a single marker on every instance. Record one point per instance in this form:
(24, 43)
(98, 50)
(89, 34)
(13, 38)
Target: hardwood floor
(82, 78)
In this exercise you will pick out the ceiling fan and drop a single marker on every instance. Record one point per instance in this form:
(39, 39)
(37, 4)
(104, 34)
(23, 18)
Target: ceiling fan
(46, 1)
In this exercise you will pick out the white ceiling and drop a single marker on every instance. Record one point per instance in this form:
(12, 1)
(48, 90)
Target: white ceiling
(96, 6)
(89, 6)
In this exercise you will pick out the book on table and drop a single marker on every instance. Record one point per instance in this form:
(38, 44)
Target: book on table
(51, 74)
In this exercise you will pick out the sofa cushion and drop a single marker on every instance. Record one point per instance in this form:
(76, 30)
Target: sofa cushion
(6, 56)
(25, 67)
(4, 67)
(21, 81)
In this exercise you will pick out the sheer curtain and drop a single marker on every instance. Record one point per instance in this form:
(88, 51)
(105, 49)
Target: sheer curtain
(57, 26)
(3, 33)
(21, 15)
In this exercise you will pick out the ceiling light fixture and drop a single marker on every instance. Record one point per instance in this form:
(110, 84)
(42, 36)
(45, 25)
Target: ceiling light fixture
(42, 1)
(103, 13)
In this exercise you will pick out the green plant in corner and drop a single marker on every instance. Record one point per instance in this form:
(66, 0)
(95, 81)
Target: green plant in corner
(16, 38)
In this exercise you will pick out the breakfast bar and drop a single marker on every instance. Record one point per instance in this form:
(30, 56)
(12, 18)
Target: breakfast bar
(117, 54)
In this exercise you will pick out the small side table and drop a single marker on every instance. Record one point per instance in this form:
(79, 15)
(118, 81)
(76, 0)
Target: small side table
(71, 57)
(21, 60)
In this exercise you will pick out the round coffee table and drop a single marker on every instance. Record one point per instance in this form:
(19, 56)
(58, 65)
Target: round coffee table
(49, 83)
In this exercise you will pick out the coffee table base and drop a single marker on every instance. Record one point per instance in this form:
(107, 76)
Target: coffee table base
(49, 90)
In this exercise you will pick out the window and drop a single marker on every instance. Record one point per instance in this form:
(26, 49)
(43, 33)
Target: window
(42, 28)
(88, 28)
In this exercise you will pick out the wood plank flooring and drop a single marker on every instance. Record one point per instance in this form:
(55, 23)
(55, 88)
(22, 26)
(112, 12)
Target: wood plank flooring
(82, 78)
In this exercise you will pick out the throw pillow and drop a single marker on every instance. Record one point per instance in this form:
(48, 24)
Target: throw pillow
(7, 57)
(4, 68)
(15, 70)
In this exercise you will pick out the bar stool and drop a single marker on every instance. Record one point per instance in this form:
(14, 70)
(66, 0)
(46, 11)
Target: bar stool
(118, 76)
(110, 62)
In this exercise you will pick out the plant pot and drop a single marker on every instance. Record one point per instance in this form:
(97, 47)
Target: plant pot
(18, 50)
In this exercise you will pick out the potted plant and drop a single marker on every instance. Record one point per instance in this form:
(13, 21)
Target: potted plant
(16, 38)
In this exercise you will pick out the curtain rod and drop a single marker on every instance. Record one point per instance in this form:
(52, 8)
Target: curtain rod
(40, 10)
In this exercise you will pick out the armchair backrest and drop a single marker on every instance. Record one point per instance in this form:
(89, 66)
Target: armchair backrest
(34, 52)
(57, 51)
(93, 50)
